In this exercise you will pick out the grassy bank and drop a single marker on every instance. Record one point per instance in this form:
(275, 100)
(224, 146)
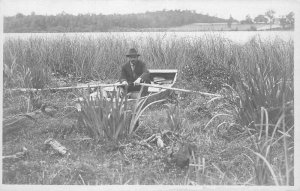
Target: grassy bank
(244, 138)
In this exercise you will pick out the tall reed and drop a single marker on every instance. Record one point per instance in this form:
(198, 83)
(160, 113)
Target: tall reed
(265, 171)
(265, 80)
(25, 63)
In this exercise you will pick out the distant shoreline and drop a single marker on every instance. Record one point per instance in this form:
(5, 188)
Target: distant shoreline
(195, 27)
(152, 30)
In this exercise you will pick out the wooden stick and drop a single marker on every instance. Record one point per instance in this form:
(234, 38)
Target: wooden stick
(62, 88)
(16, 156)
(150, 138)
(178, 89)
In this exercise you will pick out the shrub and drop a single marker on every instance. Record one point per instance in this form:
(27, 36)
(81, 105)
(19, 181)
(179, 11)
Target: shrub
(211, 76)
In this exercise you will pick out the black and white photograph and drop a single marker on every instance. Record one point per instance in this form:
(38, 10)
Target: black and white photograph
(135, 94)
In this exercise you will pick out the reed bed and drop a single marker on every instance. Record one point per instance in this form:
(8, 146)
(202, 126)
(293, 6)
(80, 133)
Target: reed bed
(254, 116)
(100, 58)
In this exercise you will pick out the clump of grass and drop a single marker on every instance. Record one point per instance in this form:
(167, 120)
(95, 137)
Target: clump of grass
(114, 117)
(105, 117)
(175, 119)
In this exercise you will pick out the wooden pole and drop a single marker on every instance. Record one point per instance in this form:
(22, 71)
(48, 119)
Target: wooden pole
(178, 89)
(62, 88)
(110, 85)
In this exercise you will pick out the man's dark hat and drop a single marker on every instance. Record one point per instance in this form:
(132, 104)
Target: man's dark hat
(132, 53)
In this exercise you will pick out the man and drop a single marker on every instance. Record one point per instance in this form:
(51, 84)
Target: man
(134, 72)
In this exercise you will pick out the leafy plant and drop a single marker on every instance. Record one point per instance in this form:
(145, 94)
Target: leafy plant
(105, 117)
(115, 117)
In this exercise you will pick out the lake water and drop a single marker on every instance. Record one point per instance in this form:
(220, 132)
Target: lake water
(236, 36)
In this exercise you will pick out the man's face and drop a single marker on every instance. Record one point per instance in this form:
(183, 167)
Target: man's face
(133, 58)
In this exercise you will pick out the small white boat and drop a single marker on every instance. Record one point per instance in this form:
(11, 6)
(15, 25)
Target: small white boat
(160, 77)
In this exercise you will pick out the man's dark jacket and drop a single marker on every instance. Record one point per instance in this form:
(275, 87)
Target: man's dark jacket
(140, 70)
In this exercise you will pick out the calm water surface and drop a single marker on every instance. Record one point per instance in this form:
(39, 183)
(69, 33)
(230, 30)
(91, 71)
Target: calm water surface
(236, 36)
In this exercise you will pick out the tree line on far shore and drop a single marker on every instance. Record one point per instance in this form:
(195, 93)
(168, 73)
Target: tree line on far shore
(104, 23)
(286, 21)
(153, 21)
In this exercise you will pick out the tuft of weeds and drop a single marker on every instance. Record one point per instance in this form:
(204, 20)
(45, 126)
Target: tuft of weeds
(115, 117)
(105, 117)
(175, 119)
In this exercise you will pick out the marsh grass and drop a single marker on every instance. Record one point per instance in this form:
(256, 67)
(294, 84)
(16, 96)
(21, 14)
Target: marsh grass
(24, 64)
(262, 146)
(245, 138)
(100, 58)
(266, 80)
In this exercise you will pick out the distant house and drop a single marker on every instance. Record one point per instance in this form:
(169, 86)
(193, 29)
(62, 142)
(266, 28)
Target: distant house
(274, 25)
(277, 21)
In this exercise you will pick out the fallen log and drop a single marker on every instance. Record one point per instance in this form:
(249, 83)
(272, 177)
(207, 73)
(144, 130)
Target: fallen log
(56, 146)
(17, 156)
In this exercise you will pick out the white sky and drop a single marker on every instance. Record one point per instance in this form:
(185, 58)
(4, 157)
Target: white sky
(220, 8)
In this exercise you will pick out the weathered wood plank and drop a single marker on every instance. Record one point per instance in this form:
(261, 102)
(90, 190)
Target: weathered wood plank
(56, 146)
